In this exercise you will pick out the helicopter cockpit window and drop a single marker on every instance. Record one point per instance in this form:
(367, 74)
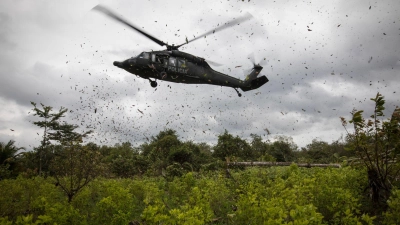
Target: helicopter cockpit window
(172, 61)
(181, 63)
(155, 58)
(144, 55)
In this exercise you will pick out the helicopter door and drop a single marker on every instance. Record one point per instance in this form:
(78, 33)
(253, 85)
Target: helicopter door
(155, 59)
(182, 67)
(172, 64)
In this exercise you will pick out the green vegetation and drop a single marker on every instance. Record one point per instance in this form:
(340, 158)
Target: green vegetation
(376, 144)
(171, 181)
(277, 195)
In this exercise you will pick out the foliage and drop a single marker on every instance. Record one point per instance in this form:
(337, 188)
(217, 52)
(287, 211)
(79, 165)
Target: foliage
(50, 121)
(9, 157)
(283, 149)
(180, 182)
(123, 160)
(229, 146)
(322, 152)
(276, 195)
(377, 145)
(74, 166)
(392, 216)
(297, 196)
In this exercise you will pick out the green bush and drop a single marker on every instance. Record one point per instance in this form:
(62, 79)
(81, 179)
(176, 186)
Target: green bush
(276, 195)
(392, 215)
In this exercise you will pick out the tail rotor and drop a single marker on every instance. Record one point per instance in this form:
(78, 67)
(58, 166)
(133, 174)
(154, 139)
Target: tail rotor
(252, 59)
(251, 81)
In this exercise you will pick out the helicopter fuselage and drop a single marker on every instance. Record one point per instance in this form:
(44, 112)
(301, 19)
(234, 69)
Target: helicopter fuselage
(179, 67)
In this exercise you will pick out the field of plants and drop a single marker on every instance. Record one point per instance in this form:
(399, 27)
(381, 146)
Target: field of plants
(275, 195)
(170, 181)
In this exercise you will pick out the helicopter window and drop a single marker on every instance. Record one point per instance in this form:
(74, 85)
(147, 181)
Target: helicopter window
(172, 61)
(181, 63)
(145, 55)
(155, 58)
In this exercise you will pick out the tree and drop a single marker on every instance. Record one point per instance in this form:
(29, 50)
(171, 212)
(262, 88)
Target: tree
(228, 146)
(318, 152)
(323, 152)
(50, 121)
(181, 154)
(124, 160)
(283, 150)
(8, 158)
(158, 150)
(259, 147)
(377, 146)
(201, 154)
(74, 166)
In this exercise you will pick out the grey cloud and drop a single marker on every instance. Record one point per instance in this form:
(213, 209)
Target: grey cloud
(303, 99)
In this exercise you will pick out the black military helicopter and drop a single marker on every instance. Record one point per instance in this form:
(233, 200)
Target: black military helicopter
(180, 67)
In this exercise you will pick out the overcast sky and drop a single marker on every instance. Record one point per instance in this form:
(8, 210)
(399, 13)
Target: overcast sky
(322, 59)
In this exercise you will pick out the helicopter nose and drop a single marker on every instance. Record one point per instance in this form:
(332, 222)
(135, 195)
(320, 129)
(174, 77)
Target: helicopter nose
(117, 64)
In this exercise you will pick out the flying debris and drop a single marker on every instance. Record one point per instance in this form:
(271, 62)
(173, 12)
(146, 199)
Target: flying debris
(176, 66)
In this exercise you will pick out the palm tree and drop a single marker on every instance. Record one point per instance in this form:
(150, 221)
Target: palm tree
(8, 153)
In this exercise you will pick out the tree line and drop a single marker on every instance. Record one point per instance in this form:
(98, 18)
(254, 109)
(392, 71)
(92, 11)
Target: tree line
(163, 154)
(62, 154)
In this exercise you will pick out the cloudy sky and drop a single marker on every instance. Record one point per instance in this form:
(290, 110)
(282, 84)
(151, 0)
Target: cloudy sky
(323, 58)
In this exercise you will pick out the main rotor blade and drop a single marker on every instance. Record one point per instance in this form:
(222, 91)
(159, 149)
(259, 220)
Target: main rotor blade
(228, 24)
(104, 10)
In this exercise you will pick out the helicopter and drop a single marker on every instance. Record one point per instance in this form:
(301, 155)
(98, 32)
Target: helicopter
(177, 66)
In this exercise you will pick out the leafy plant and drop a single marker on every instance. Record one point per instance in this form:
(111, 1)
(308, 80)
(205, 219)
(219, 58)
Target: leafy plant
(74, 166)
(377, 145)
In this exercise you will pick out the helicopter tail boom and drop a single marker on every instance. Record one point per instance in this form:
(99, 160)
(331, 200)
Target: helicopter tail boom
(252, 82)
(255, 83)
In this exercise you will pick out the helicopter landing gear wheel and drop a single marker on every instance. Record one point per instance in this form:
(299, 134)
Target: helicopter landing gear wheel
(153, 83)
(239, 94)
